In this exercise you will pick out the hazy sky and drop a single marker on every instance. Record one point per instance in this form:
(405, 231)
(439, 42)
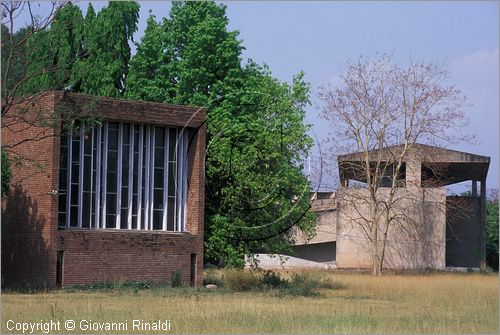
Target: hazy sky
(318, 37)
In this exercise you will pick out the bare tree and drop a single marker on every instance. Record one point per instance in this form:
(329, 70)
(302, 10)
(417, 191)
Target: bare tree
(382, 111)
(17, 56)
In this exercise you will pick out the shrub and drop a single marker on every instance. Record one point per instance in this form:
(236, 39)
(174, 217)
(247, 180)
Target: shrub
(176, 280)
(303, 285)
(239, 280)
(271, 279)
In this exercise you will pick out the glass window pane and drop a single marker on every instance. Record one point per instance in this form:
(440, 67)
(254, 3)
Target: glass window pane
(157, 220)
(87, 143)
(125, 177)
(75, 151)
(158, 178)
(126, 133)
(86, 174)
(73, 222)
(62, 219)
(171, 179)
(62, 203)
(110, 221)
(113, 139)
(159, 137)
(75, 173)
(172, 142)
(86, 210)
(158, 199)
(62, 179)
(159, 157)
(112, 160)
(123, 219)
(111, 204)
(170, 213)
(124, 197)
(74, 195)
(125, 155)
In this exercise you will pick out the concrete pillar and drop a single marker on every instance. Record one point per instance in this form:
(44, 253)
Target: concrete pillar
(474, 188)
(344, 182)
(414, 172)
(482, 225)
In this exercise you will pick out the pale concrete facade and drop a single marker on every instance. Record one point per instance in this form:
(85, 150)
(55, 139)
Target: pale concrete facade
(416, 241)
(432, 230)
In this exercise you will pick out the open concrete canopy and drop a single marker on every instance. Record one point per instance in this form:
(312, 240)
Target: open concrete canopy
(435, 231)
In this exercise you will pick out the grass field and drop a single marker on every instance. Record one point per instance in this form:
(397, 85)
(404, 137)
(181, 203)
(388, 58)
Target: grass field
(434, 303)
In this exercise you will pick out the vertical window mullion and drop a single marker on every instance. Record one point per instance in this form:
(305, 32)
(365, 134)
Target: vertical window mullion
(146, 178)
(91, 174)
(180, 168)
(183, 181)
(165, 178)
(152, 176)
(130, 175)
(98, 171)
(69, 174)
(176, 171)
(104, 173)
(139, 176)
(119, 176)
(80, 178)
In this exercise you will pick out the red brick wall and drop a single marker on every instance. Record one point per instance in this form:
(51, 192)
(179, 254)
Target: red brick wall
(113, 255)
(30, 237)
(28, 212)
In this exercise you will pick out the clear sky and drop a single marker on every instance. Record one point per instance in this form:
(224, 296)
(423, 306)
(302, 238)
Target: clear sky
(318, 37)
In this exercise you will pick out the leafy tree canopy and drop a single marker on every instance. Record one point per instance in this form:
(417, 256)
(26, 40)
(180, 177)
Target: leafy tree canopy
(104, 68)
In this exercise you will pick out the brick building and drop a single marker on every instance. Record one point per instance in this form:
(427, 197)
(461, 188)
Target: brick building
(117, 196)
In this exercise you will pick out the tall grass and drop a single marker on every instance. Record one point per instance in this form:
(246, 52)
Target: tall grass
(357, 303)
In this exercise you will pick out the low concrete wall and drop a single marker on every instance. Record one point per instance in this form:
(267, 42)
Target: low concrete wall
(278, 261)
(416, 240)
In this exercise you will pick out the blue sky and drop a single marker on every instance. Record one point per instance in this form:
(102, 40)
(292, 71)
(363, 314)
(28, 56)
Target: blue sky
(319, 36)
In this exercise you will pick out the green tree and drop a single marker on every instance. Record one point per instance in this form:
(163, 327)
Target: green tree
(492, 233)
(207, 54)
(103, 69)
(13, 69)
(256, 130)
(256, 191)
(52, 52)
(190, 58)
(150, 77)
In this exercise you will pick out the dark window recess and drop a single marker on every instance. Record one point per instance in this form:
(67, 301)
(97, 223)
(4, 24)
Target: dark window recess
(59, 267)
(192, 276)
(100, 180)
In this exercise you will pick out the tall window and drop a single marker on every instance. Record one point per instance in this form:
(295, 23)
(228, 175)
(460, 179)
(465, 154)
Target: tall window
(124, 176)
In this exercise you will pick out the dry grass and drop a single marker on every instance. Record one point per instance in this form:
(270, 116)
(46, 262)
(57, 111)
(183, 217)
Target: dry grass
(435, 303)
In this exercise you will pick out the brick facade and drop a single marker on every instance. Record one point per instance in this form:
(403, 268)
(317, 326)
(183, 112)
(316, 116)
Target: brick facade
(31, 239)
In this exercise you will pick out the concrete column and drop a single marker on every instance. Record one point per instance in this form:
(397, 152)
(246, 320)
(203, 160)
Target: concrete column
(482, 225)
(414, 172)
(344, 182)
(474, 188)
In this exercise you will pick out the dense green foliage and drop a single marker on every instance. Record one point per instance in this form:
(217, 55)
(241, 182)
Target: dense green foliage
(492, 233)
(256, 191)
(52, 52)
(92, 53)
(256, 130)
(104, 68)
